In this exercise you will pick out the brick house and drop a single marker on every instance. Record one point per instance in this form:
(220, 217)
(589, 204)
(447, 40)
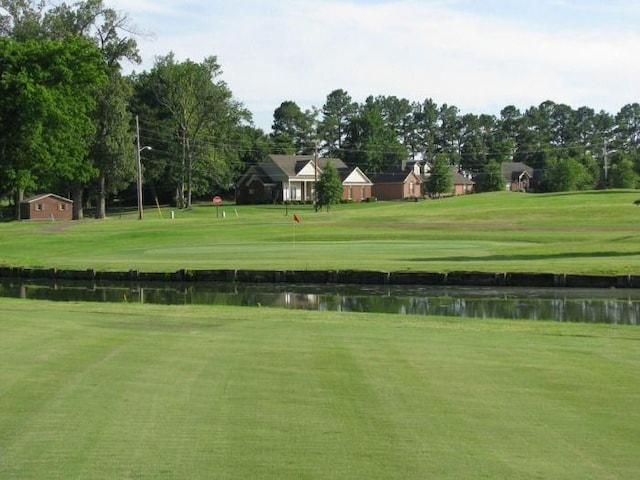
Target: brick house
(48, 206)
(396, 185)
(517, 176)
(462, 184)
(356, 186)
(291, 178)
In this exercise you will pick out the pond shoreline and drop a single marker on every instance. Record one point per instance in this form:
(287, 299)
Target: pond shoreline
(362, 277)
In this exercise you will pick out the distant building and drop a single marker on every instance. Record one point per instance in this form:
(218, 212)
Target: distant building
(517, 176)
(292, 178)
(47, 206)
(396, 185)
(462, 184)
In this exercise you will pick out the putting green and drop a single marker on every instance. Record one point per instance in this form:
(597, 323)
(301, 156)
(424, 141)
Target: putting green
(393, 255)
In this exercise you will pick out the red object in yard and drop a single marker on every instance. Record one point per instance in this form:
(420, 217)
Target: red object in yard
(296, 218)
(217, 200)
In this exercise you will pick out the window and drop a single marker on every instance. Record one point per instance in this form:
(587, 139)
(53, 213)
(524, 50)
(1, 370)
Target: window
(39, 207)
(350, 192)
(411, 188)
(293, 192)
(62, 206)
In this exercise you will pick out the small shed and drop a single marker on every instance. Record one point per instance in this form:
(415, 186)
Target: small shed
(46, 206)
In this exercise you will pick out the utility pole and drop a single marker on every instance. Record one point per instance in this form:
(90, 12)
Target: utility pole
(315, 183)
(606, 160)
(139, 170)
(139, 150)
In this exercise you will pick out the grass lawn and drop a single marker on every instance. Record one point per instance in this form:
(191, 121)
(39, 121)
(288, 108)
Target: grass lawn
(142, 391)
(585, 232)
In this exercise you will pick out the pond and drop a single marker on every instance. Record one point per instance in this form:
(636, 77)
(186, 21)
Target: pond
(610, 306)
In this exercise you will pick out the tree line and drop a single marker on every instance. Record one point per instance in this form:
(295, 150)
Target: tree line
(571, 149)
(71, 122)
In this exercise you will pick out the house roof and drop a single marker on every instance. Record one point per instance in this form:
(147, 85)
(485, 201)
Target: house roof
(456, 177)
(254, 172)
(394, 176)
(46, 195)
(411, 164)
(460, 179)
(353, 176)
(290, 165)
(514, 170)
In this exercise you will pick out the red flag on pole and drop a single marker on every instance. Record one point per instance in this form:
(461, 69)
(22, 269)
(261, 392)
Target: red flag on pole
(296, 218)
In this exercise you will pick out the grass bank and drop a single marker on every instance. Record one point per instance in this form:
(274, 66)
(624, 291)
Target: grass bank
(584, 233)
(141, 391)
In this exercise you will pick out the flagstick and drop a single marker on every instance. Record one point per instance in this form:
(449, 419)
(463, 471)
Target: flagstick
(296, 220)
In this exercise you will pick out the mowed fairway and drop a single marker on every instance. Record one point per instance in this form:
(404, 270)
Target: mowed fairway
(140, 391)
(584, 232)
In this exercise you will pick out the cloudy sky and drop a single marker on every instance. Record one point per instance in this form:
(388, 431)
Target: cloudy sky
(477, 55)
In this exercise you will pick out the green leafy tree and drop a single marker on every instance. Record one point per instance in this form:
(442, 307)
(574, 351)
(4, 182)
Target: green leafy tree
(337, 112)
(252, 146)
(563, 175)
(47, 99)
(622, 173)
(22, 19)
(449, 131)
(397, 115)
(108, 29)
(474, 150)
(110, 32)
(328, 187)
(534, 136)
(199, 116)
(627, 133)
(112, 150)
(576, 170)
(282, 144)
(490, 179)
(294, 129)
(440, 180)
(510, 121)
(422, 140)
(370, 143)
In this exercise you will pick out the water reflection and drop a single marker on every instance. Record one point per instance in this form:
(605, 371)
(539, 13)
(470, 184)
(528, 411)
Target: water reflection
(562, 305)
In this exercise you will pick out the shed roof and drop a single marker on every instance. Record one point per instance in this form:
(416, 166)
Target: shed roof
(290, 165)
(459, 178)
(394, 176)
(41, 196)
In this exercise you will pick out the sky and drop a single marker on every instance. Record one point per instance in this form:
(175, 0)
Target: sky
(480, 56)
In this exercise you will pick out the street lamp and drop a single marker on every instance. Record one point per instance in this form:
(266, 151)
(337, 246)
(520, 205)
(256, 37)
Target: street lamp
(139, 180)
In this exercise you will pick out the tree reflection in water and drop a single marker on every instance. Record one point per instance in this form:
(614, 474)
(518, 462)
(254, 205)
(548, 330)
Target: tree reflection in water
(610, 306)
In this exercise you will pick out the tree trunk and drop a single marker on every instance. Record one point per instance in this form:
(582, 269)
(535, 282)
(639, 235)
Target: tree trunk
(184, 166)
(101, 205)
(189, 174)
(18, 198)
(179, 196)
(78, 212)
